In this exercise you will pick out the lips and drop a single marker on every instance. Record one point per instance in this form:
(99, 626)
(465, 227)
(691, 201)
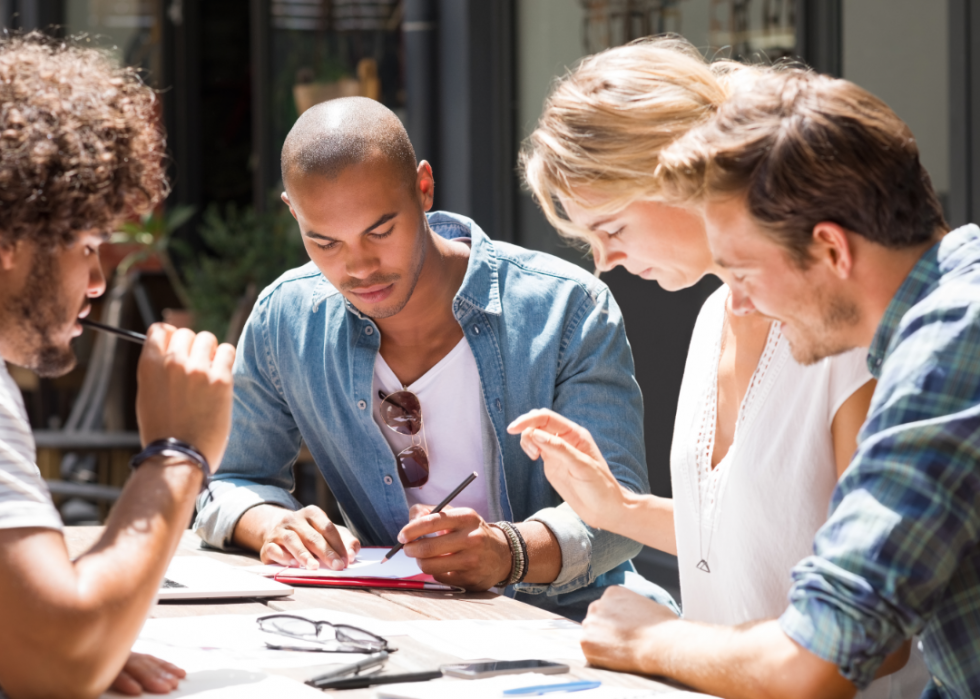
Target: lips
(373, 294)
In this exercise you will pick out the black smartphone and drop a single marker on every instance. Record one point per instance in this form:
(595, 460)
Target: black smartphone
(503, 667)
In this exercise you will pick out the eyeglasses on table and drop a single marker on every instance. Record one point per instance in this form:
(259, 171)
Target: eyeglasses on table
(331, 638)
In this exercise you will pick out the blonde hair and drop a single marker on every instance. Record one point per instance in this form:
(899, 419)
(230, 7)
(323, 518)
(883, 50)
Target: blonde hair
(605, 123)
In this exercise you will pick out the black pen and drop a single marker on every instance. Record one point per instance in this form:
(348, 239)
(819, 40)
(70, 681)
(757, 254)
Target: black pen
(362, 681)
(349, 669)
(459, 489)
(118, 332)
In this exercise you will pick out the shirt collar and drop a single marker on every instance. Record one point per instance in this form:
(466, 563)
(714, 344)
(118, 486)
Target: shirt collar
(480, 287)
(939, 259)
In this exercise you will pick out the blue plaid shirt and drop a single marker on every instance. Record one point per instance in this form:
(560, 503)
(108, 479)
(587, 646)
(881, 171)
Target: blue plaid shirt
(900, 553)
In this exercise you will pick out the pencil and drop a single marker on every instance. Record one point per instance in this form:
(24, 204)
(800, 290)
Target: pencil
(449, 498)
(118, 332)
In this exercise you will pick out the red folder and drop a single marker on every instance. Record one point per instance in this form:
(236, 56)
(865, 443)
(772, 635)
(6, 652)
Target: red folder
(416, 582)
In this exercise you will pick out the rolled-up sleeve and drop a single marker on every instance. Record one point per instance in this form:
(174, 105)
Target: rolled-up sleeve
(597, 389)
(906, 513)
(264, 442)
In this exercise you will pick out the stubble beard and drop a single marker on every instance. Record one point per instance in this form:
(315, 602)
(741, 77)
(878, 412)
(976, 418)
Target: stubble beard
(38, 312)
(824, 340)
(416, 272)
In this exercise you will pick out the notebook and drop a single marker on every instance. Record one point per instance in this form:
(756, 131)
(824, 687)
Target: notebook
(198, 577)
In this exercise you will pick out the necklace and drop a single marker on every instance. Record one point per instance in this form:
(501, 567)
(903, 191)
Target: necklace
(705, 453)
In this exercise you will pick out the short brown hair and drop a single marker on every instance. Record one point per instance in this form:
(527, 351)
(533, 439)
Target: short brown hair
(805, 148)
(80, 141)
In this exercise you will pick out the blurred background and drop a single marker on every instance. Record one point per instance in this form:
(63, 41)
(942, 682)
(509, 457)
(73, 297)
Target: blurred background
(468, 78)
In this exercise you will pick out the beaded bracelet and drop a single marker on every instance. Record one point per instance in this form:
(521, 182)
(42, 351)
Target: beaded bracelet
(175, 447)
(518, 552)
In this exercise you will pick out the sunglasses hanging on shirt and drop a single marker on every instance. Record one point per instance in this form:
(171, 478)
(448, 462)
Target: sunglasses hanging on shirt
(401, 411)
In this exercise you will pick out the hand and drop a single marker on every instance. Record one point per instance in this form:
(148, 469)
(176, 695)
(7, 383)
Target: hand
(616, 628)
(146, 672)
(184, 390)
(465, 551)
(573, 465)
(305, 538)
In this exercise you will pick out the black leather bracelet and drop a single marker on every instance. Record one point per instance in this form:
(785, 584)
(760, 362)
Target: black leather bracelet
(174, 447)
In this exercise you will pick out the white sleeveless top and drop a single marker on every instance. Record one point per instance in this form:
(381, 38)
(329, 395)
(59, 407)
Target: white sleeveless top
(754, 516)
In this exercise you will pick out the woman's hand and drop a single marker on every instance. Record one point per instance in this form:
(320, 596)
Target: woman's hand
(574, 466)
(144, 672)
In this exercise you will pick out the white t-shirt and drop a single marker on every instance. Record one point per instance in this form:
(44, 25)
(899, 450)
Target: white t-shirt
(451, 400)
(24, 498)
(754, 516)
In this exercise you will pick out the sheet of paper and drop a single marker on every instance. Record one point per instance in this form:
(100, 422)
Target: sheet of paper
(366, 565)
(235, 642)
(236, 684)
(493, 688)
(544, 639)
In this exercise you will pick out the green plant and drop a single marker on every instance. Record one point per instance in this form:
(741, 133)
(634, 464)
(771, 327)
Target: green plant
(245, 252)
(154, 232)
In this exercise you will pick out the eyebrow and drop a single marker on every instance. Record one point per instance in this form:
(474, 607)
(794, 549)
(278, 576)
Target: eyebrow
(384, 219)
(600, 222)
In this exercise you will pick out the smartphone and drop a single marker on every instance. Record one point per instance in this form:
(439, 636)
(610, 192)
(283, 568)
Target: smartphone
(473, 671)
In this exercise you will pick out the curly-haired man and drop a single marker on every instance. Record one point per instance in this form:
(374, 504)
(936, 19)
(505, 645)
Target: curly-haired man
(80, 149)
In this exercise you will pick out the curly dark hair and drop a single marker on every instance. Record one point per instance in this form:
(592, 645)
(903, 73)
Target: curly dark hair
(81, 146)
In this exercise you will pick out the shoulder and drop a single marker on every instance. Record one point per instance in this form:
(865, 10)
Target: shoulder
(300, 288)
(520, 266)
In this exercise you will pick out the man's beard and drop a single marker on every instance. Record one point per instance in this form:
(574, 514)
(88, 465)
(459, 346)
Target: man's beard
(41, 313)
(382, 313)
(823, 340)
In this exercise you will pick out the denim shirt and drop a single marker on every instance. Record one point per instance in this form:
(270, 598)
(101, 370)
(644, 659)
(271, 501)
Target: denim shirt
(545, 334)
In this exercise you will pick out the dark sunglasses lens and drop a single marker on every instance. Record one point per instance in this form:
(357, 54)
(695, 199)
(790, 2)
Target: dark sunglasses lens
(402, 413)
(413, 467)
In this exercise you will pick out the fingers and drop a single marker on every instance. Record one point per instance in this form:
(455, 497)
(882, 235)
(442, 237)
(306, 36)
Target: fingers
(461, 517)
(308, 538)
(145, 672)
(201, 353)
(551, 422)
(416, 511)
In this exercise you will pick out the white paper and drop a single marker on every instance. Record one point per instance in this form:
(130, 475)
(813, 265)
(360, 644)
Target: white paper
(367, 564)
(543, 639)
(236, 684)
(493, 688)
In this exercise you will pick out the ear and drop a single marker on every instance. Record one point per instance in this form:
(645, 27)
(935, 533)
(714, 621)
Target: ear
(425, 185)
(10, 254)
(285, 200)
(832, 247)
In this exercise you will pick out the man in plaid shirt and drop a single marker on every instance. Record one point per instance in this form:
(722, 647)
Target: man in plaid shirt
(818, 208)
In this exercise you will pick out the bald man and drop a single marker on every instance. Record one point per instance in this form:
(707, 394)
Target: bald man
(399, 355)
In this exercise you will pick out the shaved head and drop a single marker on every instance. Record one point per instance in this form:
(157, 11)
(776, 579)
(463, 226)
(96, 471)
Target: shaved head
(331, 136)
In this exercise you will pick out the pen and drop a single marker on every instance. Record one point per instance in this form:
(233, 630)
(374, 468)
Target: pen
(459, 489)
(546, 688)
(363, 681)
(349, 669)
(118, 332)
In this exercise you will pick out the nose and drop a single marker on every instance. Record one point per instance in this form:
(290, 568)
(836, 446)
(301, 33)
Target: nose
(96, 279)
(605, 258)
(360, 263)
(741, 304)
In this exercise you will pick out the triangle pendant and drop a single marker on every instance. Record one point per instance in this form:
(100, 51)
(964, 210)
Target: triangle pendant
(703, 565)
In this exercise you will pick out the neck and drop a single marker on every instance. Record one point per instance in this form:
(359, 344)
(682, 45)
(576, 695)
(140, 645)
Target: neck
(428, 315)
(878, 274)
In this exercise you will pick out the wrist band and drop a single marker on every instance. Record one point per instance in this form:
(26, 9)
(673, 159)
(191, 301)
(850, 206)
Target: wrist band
(518, 553)
(174, 447)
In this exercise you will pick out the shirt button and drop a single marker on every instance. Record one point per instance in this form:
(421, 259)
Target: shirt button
(361, 404)
(388, 480)
(476, 329)
(369, 330)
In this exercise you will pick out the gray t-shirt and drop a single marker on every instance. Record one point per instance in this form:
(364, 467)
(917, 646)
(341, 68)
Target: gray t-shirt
(24, 497)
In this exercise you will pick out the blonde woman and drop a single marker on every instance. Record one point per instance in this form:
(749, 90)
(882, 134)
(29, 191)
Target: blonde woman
(759, 438)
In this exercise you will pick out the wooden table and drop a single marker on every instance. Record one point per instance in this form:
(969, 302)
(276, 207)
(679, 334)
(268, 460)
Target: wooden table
(386, 605)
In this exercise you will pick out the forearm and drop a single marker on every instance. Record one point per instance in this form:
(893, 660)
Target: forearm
(74, 623)
(753, 661)
(543, 553)
(645, 518)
